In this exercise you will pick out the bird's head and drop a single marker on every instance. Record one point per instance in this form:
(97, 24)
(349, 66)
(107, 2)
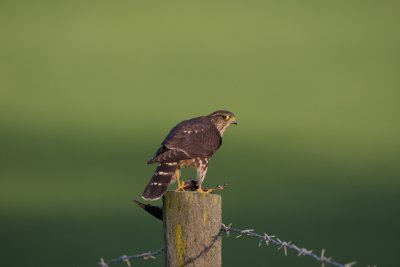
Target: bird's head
(222, 119)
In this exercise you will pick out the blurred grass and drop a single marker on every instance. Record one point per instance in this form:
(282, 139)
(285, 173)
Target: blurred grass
(89, 89)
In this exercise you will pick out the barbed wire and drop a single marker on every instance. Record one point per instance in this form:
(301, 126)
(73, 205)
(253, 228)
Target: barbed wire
(127, 259)
(285, 245)
(263, 239)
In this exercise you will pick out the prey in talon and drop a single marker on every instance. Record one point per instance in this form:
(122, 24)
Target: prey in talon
(191, 143)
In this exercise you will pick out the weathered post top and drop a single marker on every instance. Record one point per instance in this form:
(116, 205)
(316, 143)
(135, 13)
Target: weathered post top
(192, 223)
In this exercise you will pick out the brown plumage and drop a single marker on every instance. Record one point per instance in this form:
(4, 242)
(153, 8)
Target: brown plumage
(191, 143)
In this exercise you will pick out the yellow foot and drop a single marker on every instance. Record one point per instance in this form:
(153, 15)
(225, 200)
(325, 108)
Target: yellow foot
(200, 190)
(180, 187)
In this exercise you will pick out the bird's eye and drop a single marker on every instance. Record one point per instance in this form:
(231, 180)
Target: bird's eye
(226, 117)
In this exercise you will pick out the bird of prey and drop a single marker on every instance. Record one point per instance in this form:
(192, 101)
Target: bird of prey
(191, 143)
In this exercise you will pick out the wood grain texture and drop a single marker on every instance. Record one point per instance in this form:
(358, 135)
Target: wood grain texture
(192, 223)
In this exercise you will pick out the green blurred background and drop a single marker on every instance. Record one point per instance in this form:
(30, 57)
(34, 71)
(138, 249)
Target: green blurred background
(88, 90)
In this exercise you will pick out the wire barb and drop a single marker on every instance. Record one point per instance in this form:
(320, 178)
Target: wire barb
(225, 229)
(350, 264)
(102, 263)
(324, 259)
(284, 245)
(126, 260)
(245, 232)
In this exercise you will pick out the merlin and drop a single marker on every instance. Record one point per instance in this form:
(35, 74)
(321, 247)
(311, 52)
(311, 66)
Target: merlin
(191, 143)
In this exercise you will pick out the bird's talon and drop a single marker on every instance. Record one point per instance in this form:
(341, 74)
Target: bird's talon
(200, 190)
(180, 188)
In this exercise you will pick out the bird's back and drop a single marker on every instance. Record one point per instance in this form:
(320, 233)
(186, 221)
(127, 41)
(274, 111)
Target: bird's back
(196, 137)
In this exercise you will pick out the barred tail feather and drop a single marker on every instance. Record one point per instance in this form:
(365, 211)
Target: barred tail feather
(158, 184)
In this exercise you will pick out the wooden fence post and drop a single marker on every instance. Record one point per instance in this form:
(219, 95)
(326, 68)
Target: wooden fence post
(192, 224)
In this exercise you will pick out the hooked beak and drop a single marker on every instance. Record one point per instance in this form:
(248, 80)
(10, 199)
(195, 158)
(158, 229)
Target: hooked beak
(235, 122)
